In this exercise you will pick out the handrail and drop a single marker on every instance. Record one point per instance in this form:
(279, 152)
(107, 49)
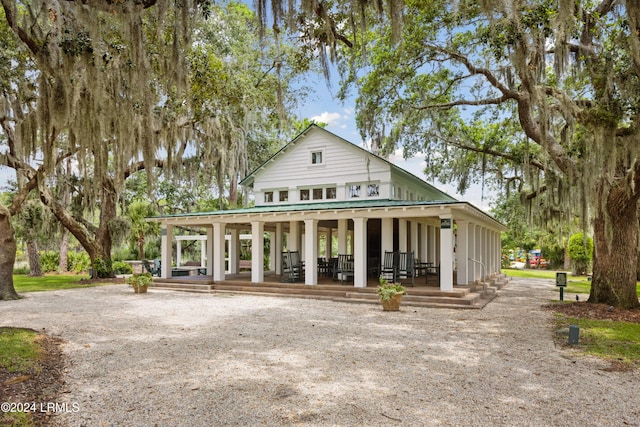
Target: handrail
(482, 272)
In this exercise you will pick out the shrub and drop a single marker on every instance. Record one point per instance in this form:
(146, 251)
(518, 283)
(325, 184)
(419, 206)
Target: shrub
(22, 271)
(78, 262)
(120, 267)
(580, 252)
(49, 261)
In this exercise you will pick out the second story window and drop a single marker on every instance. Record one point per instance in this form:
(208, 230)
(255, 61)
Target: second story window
(268, 196)
(354, 191)
(304, 194)
(331, 192)
(317, 194)
(284, 195)
(316, 157)
(373, 190)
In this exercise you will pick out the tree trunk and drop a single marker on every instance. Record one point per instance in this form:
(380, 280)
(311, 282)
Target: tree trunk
(8, 248)
(141, 247)
(34, 259)
(98, 245)
(615, 249)
(63, 266)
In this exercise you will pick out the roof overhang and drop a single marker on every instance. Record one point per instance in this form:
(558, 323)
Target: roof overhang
(420, 211)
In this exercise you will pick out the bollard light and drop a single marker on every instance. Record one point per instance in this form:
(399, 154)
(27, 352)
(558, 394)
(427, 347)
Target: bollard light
(574, 334)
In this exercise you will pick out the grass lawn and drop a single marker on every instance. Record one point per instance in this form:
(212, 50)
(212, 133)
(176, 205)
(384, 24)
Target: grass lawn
(49, 282)
(19, 355)
(575, 284)
(613, 340)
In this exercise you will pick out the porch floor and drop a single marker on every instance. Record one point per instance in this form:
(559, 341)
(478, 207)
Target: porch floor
(418, 295)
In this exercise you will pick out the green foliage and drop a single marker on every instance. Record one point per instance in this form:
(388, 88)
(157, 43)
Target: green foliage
(49, 261)
(580, 252)
(143, 279)
(387, 291)
(21, 270)
(102, 268)
(120, 267)
(78, 262)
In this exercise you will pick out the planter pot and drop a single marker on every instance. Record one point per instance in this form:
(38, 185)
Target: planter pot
(142, 289)
(393, 304)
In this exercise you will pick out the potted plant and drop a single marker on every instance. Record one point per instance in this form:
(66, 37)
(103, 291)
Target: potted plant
(140, 282)
(390, 295)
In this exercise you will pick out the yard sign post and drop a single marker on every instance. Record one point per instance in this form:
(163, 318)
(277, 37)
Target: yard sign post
(561, 282)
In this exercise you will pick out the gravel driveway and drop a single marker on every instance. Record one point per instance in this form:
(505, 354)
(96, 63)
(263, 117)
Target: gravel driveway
(178, 359)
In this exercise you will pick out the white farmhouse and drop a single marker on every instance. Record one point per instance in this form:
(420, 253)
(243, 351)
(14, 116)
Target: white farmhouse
(321, 192)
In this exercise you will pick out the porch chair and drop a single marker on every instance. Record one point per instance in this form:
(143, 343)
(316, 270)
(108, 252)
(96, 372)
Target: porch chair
(406, 269)
(434, 271)
(155, 270)
(345, 268)
(292, 267)
(389, 266)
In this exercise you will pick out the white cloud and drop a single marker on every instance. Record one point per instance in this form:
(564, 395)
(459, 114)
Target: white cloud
(331, 119)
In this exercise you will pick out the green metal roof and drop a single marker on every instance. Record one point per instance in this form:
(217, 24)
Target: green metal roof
(319, 206)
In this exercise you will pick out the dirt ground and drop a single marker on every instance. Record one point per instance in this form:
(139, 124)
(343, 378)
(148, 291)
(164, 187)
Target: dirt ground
(596, 311)
(46, 381)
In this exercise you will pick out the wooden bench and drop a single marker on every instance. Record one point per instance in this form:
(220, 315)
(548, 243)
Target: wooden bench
(245, 264)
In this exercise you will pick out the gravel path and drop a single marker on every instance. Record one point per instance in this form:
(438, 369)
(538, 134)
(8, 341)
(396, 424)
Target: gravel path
(178, 359)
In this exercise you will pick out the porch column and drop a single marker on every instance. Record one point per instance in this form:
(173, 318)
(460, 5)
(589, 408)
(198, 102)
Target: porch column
(462, 253)
(414, 239)
(311, 252)
(471, 247)
(178, 253)
(203, 252)
(294, 236)
(424, 242)
(210, 251)
(234, 250)
(386, 237)
(257, 251)
(478, 275)
(166, 249)
(402, 235)
(433, 241)
(272, 251)
(218, 251)
(342, 236)
(278, 245)
(329, 243)
(446, 253)
(360, 252)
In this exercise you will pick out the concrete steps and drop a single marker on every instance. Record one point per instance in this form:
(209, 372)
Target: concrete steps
(417, 296)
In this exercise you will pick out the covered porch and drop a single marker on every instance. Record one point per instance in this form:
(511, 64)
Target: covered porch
(462, 241)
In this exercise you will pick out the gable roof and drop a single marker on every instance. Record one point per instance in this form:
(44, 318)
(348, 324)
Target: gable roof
(249, 179)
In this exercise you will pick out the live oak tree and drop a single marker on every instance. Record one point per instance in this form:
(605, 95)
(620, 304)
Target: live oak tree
(92, 62)
(566, 72)
(456, 76)
(114, 87)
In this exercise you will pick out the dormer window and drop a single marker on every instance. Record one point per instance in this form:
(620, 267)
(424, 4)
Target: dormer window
(317, 157)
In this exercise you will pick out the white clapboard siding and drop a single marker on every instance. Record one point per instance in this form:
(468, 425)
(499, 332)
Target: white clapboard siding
(341, 165)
